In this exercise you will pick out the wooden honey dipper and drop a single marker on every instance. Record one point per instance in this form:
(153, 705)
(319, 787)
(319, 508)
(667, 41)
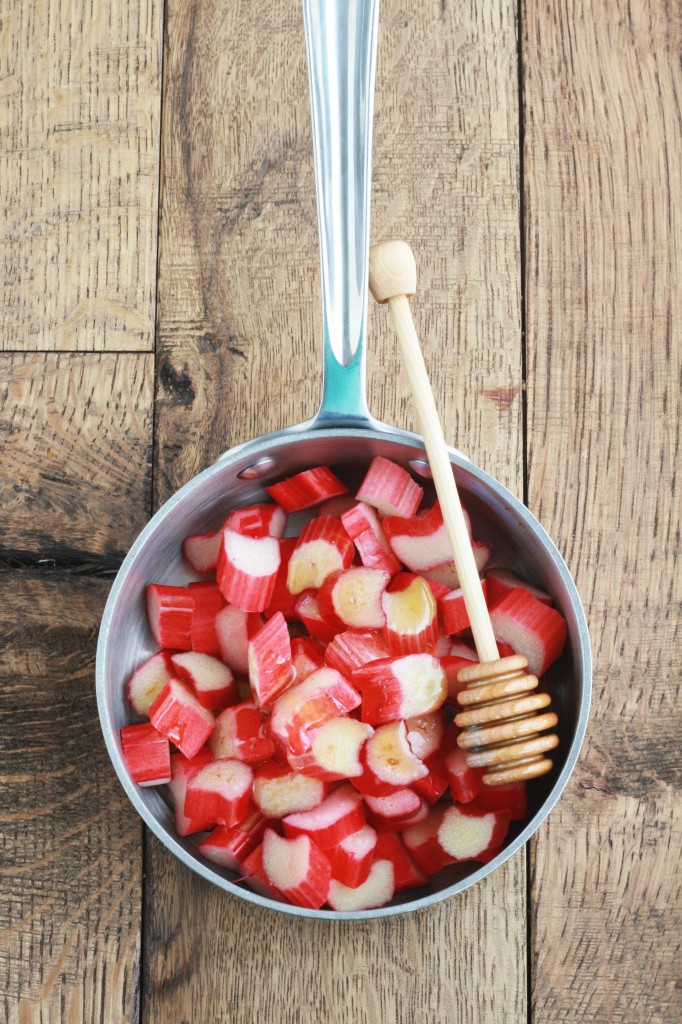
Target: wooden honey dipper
(501, 721)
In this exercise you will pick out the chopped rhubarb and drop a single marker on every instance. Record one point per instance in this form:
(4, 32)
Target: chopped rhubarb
(406, 874)
(201, 551)
(247, 570)
(146, 754)
(212, 681)
(425, 733)
(220, 792)
(297, 868)
(307, 656)
(147, 682)
(282, 599)
(353, 597)
(338, 816)
(308, 611)
(182, 770)
(336, 506)
(423, 845)
(400, 687)
(241, 733)
(334, 751)
(307, 489)
(389, 758)
(228, 847)
(447, 573)
(271, 669)
(376, 891)
(178, 714)
(207, 603)
(362, 525)
(390, 489)
(433, 785)
(512, 796)
(411, 616)
(234, 628)
(501, 581)
(465, 782)
(420, 542)
(169, 613)
(467, 833)
(351, 860)
(396, 811)
(352, 649)
(530, 627)
(263, 520)
(252, 871)
(304, 707)
(278, 791)
(323, 548)
(454, 615)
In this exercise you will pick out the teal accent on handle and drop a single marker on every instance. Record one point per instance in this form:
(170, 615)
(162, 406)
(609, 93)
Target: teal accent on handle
(344, 401)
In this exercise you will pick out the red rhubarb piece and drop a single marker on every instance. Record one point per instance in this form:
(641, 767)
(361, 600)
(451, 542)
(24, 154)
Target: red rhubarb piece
(351, 860)
(362, 525)
(389, 758)
(512, 796)
(411, 616)
(334, 751)
(467, 833)
(228, 847)
(264, 520)
(406, 874)
(434, 784)
(454, 615)
(323, 548)
(307, 489)
(396, 811)
(278, 791)
(241, 733)
(252, 871)
(353, 648)
(390, 489)
(501, 581)
(207, 603)
(425, 733)
(423, 846)
(220, 792)
(247, 570)
(146, 754)
(271, 669)
(353, 597)
(338, 816)
(530, 627)
(282, 600)
(147, 682)
(169, 613)
(302, 708)
(465, 782)
(178, 714)
(297, 868)
(308, 611)
(182, 770)
(400, 687)
(234, 628)
(212, 681)
(307, 655)
(201, 551)
(420, 542)
(376, 891)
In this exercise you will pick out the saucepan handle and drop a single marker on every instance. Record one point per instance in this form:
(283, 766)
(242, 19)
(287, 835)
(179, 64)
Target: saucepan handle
(341, 38)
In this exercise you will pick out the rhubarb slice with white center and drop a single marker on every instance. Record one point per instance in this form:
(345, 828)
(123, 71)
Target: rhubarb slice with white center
(411, 617)
(234, 627)
(335, 750)
(178, 714)
(307, 656)
(363, 527)
(501, 581)
(530, 627)
(169, 613)
(354, 597)
(201, 551)
(390, 489)
(338, 816)
(228, 847)
(262, 520)
(241, 733)
(376, 891)
(278, 791)
(297, 868)
(307, 489)
(390, 758)
(211, 680)
(247, 569)
(220, 792)
(465, 833)
(323, 548)
(271, 669)
(400, 688)
(147, 682)
(302, 708)
(425, 733)
(351, 860)
(352, 649)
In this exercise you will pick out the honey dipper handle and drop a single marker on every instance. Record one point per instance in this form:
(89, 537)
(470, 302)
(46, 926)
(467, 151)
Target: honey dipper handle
(392, 277)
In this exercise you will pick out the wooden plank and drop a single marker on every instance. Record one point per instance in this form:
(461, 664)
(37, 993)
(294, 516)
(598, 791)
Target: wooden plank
(75, 464)
(239, 355)
(603, 170)
(79, 116)
(70, 855)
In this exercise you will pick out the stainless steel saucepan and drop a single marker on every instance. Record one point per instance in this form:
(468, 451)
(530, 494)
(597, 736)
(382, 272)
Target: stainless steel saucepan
(341, 45)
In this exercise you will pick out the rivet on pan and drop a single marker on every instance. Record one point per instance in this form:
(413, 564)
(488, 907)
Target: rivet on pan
(420, 467)
(258, 469)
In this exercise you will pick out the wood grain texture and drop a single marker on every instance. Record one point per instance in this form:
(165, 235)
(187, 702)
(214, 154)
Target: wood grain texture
(603, 171)
(239, 354)
(80, 91)
(75, 463)
(70, 854)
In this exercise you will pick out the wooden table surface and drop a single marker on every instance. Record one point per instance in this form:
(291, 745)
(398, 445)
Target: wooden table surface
(160, 297)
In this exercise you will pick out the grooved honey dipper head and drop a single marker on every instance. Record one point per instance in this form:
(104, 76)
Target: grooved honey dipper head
(501, 722)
